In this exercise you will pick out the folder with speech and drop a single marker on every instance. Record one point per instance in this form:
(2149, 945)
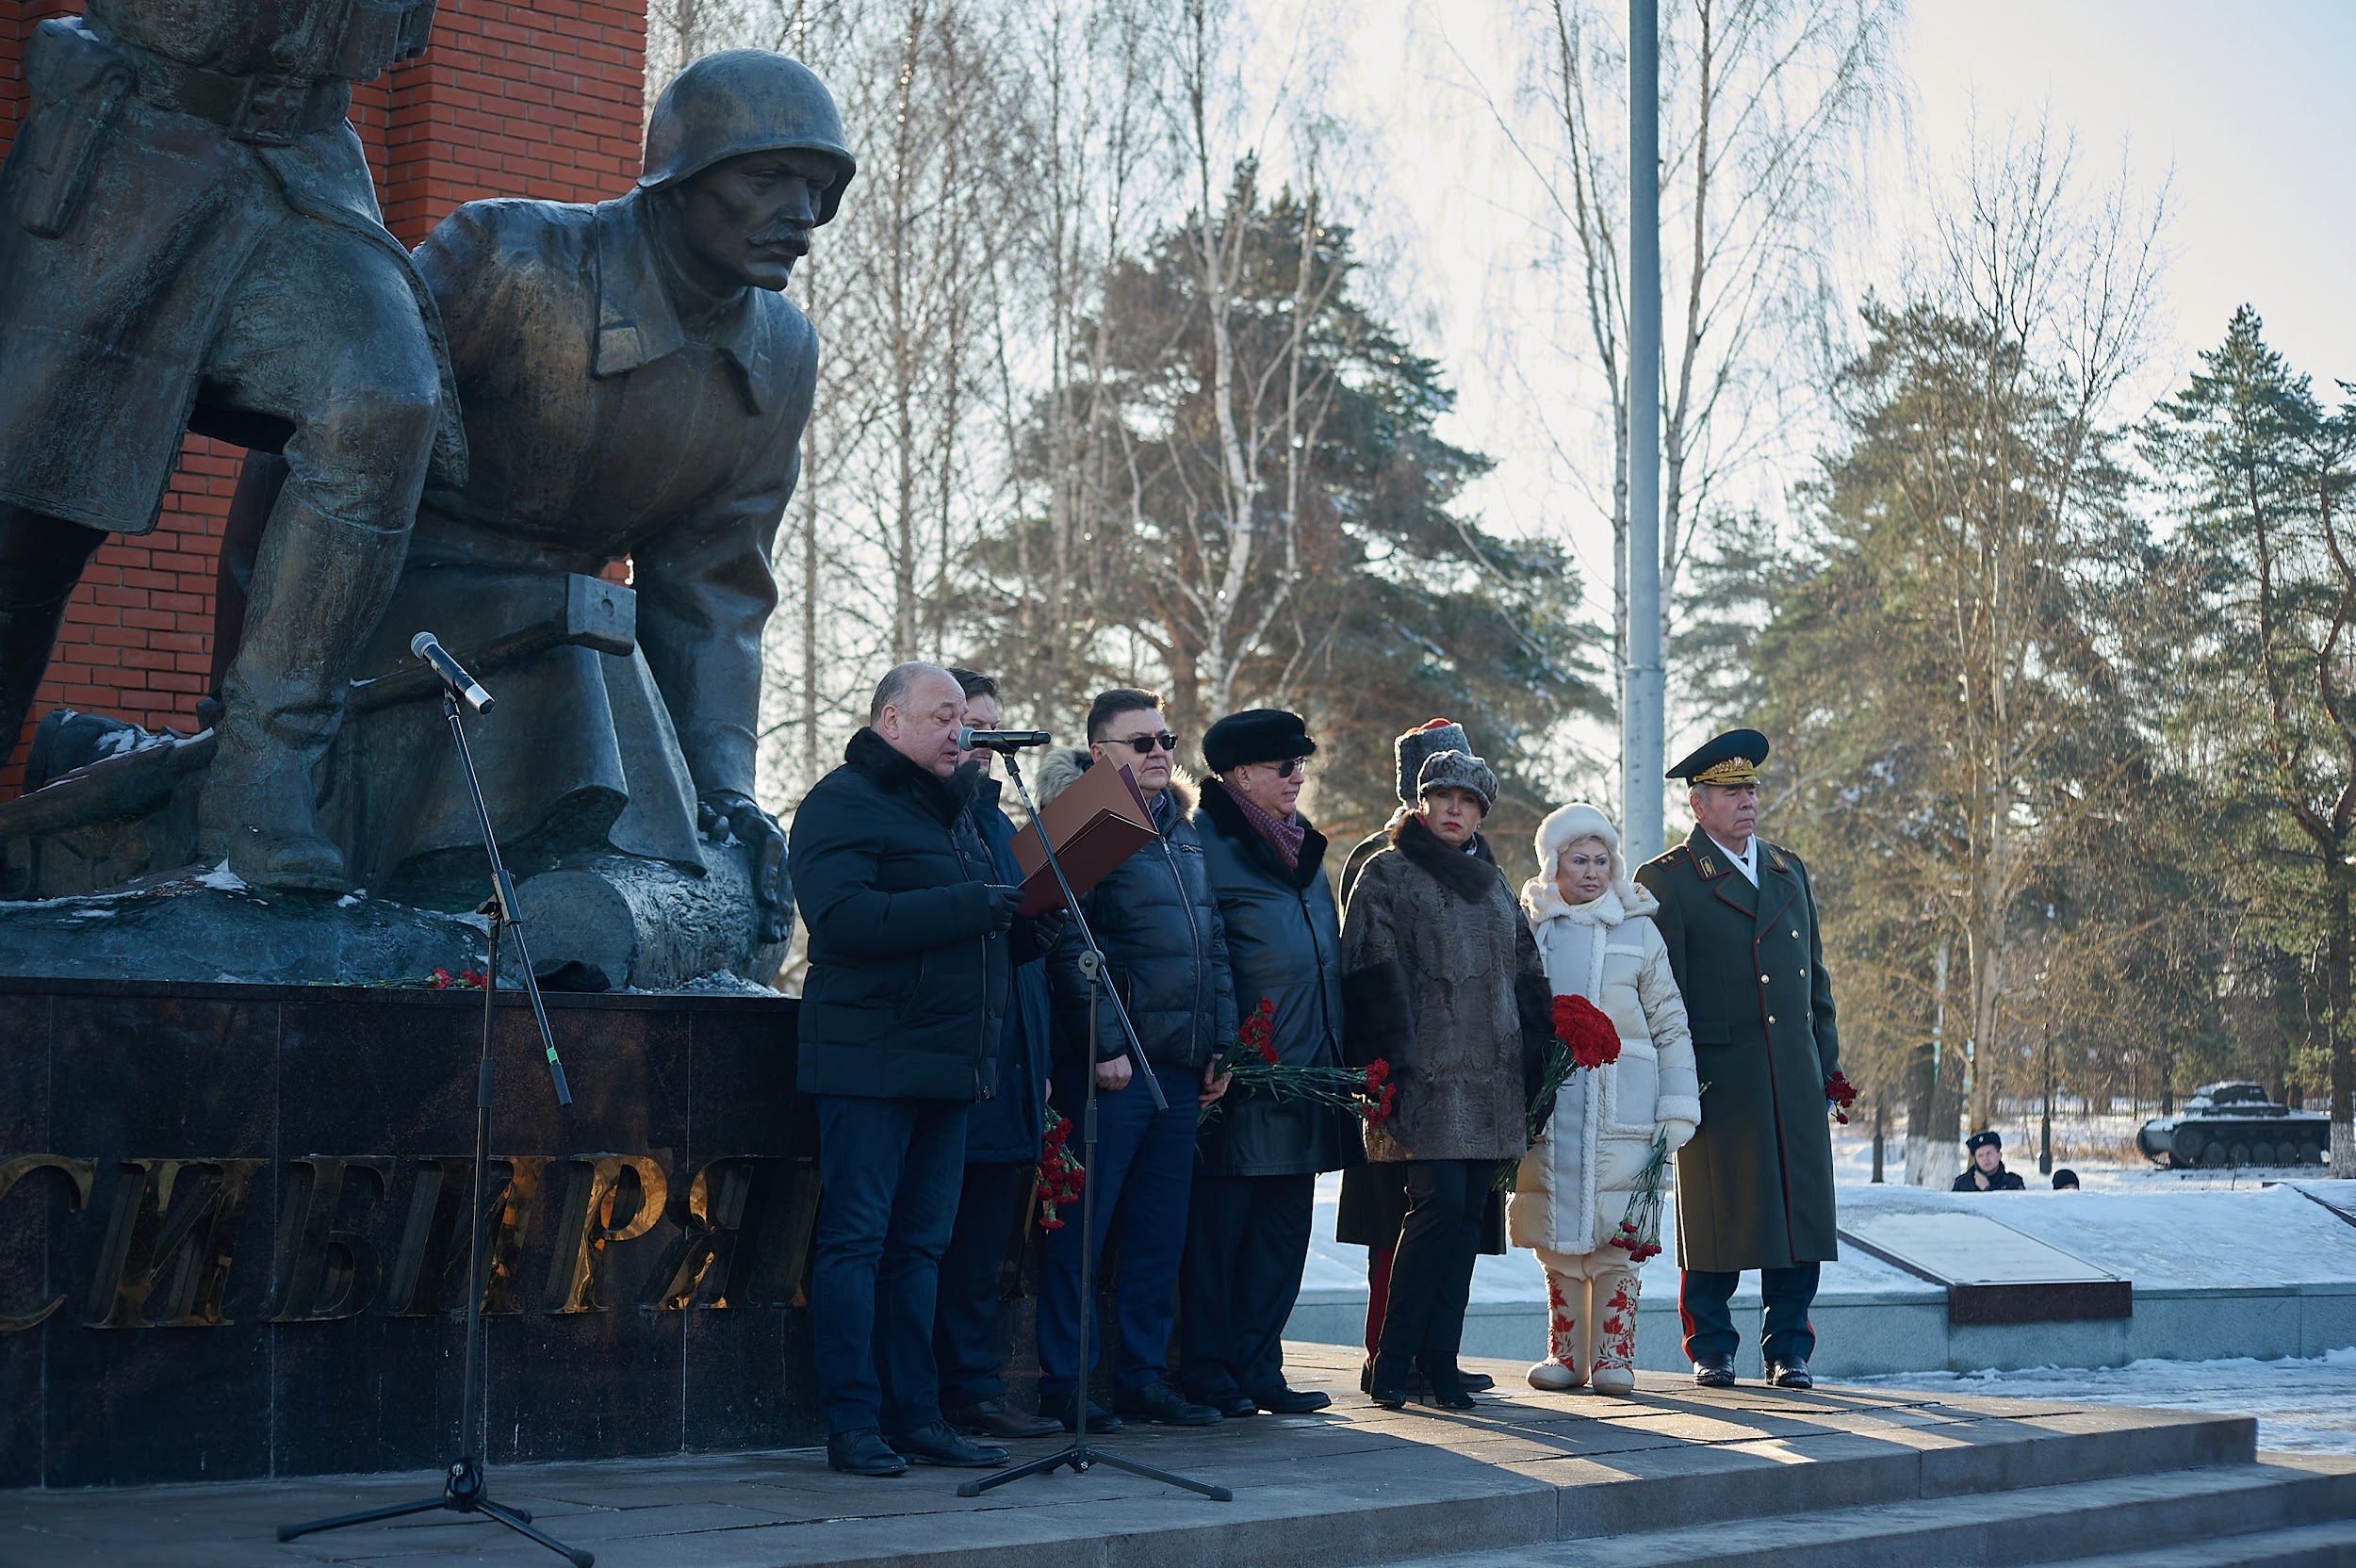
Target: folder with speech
(1095, 825)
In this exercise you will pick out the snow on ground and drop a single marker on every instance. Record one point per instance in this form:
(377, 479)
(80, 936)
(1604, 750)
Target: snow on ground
(2301, 1405)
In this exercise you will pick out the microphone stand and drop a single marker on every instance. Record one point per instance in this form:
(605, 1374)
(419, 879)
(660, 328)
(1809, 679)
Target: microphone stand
(464, 1488)
(1078, 1454)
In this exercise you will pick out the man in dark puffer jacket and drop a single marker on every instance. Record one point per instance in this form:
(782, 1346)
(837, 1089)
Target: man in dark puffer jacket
(912, 935)
(1165, 954)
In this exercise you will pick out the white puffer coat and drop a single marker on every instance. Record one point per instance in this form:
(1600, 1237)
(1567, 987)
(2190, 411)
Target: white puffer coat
(1575, 1182)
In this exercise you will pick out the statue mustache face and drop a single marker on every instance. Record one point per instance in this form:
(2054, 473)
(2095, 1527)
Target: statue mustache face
(744, 222)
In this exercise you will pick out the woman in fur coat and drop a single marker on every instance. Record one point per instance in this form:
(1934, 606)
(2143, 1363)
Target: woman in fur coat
(1441, 978)
(1595, 931)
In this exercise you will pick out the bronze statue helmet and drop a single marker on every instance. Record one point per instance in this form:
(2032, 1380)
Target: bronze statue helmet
(744, 101)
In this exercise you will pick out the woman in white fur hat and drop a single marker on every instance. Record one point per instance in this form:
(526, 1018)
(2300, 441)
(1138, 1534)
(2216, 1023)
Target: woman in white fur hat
(1595, 930)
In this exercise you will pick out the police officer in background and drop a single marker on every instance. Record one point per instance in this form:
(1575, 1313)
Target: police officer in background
(1754, 1188)
(1988, 1172)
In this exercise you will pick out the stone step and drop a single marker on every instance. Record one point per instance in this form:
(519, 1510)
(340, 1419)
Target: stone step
(1746, 1474)
(2215, 1509)
(2332, 1546)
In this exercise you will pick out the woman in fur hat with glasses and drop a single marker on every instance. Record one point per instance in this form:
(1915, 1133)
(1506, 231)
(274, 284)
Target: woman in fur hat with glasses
(1441, 979)
(1595, 931)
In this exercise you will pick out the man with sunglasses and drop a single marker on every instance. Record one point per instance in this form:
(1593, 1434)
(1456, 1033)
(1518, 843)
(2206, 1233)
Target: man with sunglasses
(1157, 921)
(1256, 1182)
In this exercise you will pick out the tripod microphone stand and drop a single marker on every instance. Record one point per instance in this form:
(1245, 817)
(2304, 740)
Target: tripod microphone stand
(1078, 1454)
(465, 1487)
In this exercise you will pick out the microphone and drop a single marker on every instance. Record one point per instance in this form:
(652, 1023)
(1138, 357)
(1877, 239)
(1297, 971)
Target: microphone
(970, 739)
(453, 674)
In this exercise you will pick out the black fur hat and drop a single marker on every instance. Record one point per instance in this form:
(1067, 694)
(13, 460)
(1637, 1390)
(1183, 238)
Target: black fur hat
(1256, 735)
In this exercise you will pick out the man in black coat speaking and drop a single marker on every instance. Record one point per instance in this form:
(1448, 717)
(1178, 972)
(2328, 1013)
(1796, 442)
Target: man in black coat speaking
(912, 940)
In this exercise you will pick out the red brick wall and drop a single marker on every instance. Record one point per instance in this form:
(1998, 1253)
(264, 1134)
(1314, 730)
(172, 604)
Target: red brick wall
(532, 99)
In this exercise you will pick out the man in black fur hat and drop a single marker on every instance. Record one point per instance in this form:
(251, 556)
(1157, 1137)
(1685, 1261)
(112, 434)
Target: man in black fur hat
(1256, 1163)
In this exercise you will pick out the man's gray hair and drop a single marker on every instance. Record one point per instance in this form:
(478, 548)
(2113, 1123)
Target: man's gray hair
(892, 691)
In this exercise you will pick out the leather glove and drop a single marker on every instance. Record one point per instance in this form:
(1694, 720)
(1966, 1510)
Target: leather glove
(1006, 901)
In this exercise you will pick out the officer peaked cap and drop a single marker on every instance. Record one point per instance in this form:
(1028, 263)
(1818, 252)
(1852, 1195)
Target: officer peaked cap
(1731, 759)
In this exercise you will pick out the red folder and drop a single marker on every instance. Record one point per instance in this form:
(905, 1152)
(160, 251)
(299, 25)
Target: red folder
(1095, 825)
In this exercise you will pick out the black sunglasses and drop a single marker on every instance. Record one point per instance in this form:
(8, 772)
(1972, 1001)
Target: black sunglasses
(1144, 745)
(1290, 766)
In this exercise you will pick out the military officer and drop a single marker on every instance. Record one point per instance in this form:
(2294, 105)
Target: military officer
(1754, 1188)
(189, 240)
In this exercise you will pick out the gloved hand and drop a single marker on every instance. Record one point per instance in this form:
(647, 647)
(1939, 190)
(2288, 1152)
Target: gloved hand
(1680, 1134)
(722, 813)
(1006, 902)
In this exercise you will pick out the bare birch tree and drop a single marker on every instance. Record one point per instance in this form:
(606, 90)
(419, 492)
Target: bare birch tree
(1766, 106)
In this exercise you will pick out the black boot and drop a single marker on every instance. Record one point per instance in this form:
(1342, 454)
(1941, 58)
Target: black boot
(319, 587)
(40, 561)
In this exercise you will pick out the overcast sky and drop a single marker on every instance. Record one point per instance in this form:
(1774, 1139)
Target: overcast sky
(2242, 106)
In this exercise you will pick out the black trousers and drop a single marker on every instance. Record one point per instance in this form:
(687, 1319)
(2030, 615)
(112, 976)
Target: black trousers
(1431, 1273)
(1785, 1294)
(965, 1311)
(1247, 1241)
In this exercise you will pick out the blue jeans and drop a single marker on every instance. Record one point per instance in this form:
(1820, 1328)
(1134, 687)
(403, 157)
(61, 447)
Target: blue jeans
(1785, 1336)
(1143, 1172)
(888, 1173)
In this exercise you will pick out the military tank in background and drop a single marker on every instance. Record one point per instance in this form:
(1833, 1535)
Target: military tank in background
(2235, 1124)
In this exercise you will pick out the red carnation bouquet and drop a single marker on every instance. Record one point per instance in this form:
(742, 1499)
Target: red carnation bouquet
(1591, 1038)
(1839, 1094)
(1061, 1173)
(1584, 1038)
(1255, 1067)
(1639, 1231)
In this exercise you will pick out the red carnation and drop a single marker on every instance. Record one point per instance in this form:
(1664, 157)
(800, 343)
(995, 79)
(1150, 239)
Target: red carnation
(1594, 1039)
(1841, 1094)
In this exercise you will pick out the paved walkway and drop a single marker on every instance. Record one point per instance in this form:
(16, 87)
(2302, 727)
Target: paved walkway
(1350, 1484)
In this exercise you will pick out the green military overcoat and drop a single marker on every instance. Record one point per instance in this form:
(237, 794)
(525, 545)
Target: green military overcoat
(1754, 1188)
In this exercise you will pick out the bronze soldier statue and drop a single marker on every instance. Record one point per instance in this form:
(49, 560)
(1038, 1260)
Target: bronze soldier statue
(633, 384)
(189, 240)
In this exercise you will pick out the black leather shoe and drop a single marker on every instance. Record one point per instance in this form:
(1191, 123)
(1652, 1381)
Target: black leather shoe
(939, 1444)
(1476, 1382)
(1295, 1401)
(1163, 1406)
(1789, 1374)
(1714, 1372)
(862, 1451)
(1453, 1395)
(997, 1418)
(1234, 1407)
(1099, 1419)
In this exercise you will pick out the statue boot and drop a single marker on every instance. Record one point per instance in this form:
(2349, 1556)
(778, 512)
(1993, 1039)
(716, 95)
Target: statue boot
(40, 561)
(319, 587)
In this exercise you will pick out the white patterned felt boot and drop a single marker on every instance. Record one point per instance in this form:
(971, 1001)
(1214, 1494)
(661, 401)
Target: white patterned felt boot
(1567, 1303)
(1615, 1332)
